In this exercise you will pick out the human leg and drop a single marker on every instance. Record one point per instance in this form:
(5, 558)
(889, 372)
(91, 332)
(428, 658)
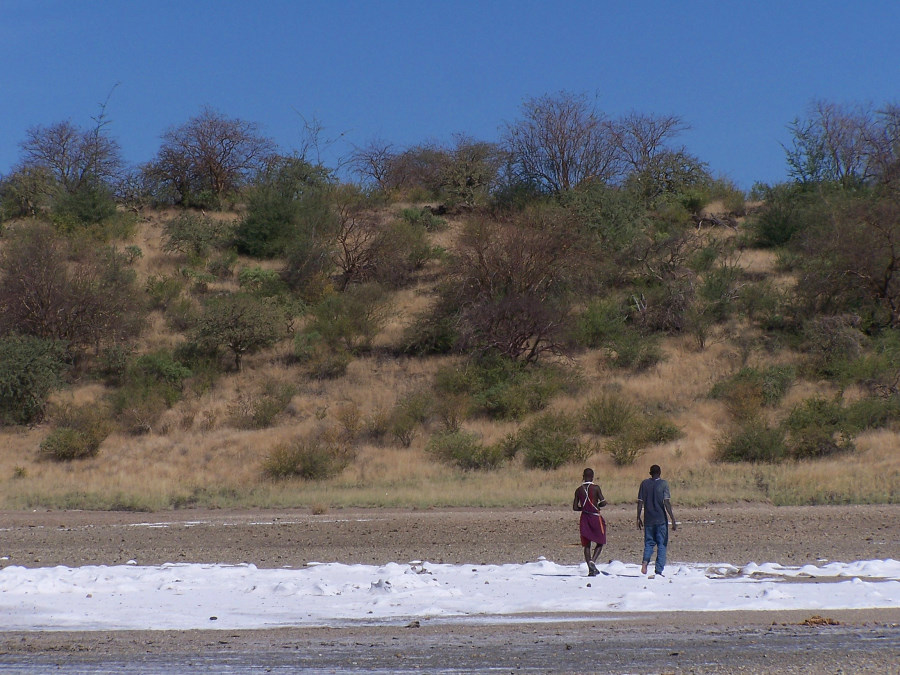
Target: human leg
(649, 545)
(661, 538)
(589, 559)
(597, 549)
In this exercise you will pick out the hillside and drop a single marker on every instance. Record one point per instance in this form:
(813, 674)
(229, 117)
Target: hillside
(209, 448)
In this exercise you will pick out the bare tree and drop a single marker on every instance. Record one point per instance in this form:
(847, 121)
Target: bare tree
(372, 162)
(210, 153)
(357, 238)
(640, 137)
(885, 146)
(73, 156)
(852, 260)
(48, 291)
(561, 141)
(512, 284)
(834, 143)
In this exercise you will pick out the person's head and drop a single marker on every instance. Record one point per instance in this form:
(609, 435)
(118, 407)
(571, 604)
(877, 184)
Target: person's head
(655, 471)
(588, 475)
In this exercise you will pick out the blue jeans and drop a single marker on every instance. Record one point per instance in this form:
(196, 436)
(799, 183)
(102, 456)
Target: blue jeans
(658, 536)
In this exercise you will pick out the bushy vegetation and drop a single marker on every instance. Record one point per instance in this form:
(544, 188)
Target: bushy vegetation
(549, 441)
(504, 389)
(30, 369)
(466, 451)
(580, 248)
(309, 459)
(150, 384)
(750, 389)
(78, 432)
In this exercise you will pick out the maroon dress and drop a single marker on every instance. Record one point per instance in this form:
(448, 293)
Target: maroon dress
(589, 499)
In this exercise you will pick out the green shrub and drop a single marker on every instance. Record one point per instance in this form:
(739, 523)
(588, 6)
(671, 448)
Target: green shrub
(550, 441)
(350, 321)
(703, 259)
(430, 333)
(600, 324)
(505, 389)
(818, 427)
(815, 412)
(260, 281)
(222, 266)
(624, 450)
(745, 392)
(92, 204)
(289, 201)
(322, 362)
(717, 292)
(309, 459)
(789, 210)
(242, 323)
(817, 443)
(463, 449)
(182, 314)
(653, 430)
(194, 234)
(163, 291)
(78, 433)
(608, 414)
(754, 442)
(152, 384)
(872, 412)
(30, 368)
(259, 411)
(452, 409)
(410, 411)
(763, 303)
(112, 363)
(635, 351)
(424, 218)
(832, 342)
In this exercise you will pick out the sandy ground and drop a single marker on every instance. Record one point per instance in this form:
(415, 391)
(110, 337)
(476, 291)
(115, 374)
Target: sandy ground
(860, 641)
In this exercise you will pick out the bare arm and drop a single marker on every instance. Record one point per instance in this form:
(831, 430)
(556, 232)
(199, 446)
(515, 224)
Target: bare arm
(668, 506)
(640, 507)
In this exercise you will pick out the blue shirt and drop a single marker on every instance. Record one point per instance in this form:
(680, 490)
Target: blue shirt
(653, 492)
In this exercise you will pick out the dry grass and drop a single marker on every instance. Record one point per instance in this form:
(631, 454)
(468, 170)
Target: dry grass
(196, 455)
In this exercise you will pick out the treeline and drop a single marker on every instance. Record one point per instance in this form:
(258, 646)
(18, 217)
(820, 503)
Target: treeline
(579, 231)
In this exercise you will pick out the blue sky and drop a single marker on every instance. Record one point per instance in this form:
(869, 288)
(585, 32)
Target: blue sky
(409, 72)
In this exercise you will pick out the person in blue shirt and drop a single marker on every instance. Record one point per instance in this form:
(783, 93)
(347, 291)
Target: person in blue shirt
(655, 503)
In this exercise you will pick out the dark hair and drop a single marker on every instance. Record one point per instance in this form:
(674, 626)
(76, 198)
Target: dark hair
(655, 470)
(588, 474)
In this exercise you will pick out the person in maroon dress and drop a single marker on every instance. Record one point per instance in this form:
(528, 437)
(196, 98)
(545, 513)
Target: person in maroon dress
(588, 500)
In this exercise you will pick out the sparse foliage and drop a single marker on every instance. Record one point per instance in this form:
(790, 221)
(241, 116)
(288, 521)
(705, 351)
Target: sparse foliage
(208, 158)
(561, 141)
(50, 289)
(75, 157)
(241, 323)
(512, 284)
